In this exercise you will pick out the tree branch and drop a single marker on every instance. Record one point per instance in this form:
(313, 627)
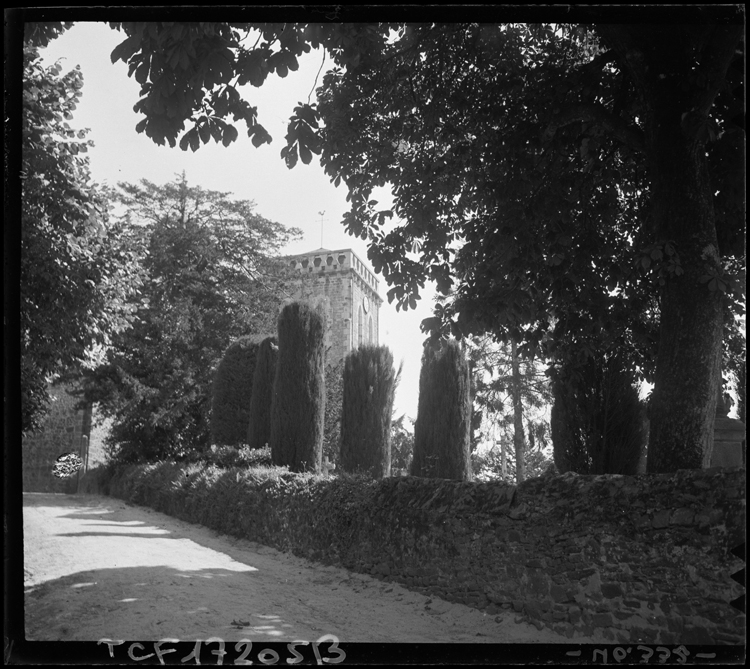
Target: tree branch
(716, 57)
(598, 115)
(597, 63)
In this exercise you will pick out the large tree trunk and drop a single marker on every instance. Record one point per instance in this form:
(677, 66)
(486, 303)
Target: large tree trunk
(677, 71)
(687, 368)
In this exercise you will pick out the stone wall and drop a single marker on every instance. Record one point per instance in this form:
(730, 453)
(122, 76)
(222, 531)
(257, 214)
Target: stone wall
(62, 432)
(644, 559)
(641, 559)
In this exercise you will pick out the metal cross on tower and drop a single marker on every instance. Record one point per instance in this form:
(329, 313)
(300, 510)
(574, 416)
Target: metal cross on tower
(321, 214)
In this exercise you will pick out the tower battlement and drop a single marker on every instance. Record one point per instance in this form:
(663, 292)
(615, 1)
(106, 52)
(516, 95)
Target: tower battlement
(342, 260)
(350, 291)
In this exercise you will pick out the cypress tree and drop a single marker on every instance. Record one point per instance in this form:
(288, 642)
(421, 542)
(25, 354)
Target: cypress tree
(597, 420)
(442, 430)
(621, 424)
(259, 428)
(567, 427)
(232, 388)
(298, 405)
(367, 407)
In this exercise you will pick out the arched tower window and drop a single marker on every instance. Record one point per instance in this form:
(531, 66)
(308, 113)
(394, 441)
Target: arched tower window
(371, 332)
(360, 328)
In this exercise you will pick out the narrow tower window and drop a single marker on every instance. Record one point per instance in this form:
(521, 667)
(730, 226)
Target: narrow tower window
(360, 328)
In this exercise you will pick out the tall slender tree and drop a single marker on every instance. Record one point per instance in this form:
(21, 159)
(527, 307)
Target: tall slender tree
(598, 420)
(402, 445)
(512, 394)
(442, 430)
(519, 439)
(369, 388)
(259, 427)
(298, 406)
(232, 391)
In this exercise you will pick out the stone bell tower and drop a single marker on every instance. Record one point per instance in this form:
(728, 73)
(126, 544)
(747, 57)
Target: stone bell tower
(350, 291)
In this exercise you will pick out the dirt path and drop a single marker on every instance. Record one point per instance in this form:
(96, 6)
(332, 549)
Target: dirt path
(96, 567)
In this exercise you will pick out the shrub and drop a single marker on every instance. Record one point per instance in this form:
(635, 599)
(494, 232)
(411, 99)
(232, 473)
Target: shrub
(226, 457)
(259, 427)
(97, 479)
(298, 405)
(232, 388)
(442, 430)
(367, 406)
(597, 420)
(487, 465)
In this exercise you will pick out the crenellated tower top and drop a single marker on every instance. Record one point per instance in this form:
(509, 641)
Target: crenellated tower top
(351, 293)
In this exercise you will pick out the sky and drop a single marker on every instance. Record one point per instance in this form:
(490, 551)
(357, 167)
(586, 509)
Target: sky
(294, 198)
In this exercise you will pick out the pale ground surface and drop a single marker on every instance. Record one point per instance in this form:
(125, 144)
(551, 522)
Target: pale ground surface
(96, 567)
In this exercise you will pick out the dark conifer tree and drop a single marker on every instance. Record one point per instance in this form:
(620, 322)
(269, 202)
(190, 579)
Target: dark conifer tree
(232, 388)
(597, 419)
(367, 407)
(442, 430)
(298, 405)
(259, 428)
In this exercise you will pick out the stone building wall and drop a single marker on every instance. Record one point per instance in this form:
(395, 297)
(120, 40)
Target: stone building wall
(62, 432)
(729, 446)
(350, 291)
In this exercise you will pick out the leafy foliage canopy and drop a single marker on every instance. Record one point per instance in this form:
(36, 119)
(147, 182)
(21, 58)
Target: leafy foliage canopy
(211, 276)
(578, 187)
(75, 277)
